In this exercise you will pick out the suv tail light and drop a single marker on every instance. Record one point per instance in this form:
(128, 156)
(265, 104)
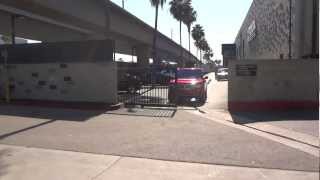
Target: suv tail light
(172, 81)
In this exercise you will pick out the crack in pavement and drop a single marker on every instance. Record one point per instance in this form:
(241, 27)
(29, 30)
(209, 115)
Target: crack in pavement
(107, 168)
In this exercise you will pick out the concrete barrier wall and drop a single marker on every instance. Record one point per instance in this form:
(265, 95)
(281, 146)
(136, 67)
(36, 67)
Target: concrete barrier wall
(70, 82)
(74, 51)
(277, 85)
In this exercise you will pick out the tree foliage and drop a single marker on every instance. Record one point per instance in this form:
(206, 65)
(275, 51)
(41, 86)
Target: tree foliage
(197, 33)
(190, 17)
(158, 3)
(6, 39)
(179, 8)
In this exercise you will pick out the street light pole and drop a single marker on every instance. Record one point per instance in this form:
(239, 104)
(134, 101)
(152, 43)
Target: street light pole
(4, 54)
(314, 29)
(123, 4)
(290, 29)
(13, 29)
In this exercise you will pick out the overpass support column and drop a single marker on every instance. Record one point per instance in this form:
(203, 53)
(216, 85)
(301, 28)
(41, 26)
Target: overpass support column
(142, 52)
(180, 62)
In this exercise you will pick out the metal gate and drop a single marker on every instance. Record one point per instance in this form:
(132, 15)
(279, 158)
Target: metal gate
(146, 86)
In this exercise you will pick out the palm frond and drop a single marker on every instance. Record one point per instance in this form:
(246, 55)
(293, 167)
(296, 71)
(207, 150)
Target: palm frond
(160, 3)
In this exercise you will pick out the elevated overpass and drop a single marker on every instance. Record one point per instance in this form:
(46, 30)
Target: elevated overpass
(74, 20)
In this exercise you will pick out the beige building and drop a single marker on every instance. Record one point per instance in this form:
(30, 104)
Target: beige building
(266, 32)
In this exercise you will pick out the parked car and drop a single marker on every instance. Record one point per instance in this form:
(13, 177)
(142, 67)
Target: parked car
(162, 75)
(130, 83)
(222, 74)
(189, 85)
(166, 75)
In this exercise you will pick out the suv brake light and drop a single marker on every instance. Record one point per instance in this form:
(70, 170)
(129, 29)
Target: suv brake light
(190, 81)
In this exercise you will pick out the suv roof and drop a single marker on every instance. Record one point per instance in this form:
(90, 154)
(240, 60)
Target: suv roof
(189, 69)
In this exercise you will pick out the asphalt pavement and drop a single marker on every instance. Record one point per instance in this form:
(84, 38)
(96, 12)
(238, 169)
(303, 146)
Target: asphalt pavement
(183, 137)
(217, 94)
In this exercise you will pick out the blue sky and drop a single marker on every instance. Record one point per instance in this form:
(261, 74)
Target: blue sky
(221, 20)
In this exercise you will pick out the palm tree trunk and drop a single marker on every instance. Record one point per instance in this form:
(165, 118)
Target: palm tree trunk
(181, 45)
(197, 52)
(155, 34)
(180, 34)
(189, 44)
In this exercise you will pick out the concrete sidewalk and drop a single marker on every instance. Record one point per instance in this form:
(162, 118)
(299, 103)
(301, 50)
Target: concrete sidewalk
(304, 130)
(301, 126)
(32, 163)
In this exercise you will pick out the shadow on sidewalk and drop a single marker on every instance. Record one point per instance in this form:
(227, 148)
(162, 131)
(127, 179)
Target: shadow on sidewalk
(3, 136)
(252, 117)
(3, 166)
(46, 115)
(49, 113)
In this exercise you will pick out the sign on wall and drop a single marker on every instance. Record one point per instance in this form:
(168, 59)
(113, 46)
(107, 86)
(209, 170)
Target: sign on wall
(252, 31)
(246, 70)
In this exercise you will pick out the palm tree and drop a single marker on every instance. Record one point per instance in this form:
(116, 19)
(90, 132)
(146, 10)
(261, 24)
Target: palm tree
(197, 34)
(5, 39)
(203, 46)
(178, 11)
(156, 4)
(188, 20)
(208, 54)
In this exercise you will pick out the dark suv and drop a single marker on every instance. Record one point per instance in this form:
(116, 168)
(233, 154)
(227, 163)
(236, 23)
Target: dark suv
(188, 86)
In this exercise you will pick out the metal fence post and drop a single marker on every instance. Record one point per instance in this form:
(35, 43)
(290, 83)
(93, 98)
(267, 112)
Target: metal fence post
(4, 54)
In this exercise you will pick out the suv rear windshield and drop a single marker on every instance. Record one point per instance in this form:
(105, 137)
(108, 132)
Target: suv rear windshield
(222, 70)
(189, 73)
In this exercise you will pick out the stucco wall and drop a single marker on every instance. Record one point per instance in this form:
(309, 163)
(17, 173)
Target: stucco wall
(70, 82)
(277, 84)
(272, 30)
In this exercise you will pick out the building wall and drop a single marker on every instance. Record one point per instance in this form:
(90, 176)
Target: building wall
(304, 31)
(69, 82)
(229, 53)
(271, 39)
(274, 87)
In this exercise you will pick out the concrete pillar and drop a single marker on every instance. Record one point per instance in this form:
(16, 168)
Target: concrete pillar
(143, 55)
(180, 62)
